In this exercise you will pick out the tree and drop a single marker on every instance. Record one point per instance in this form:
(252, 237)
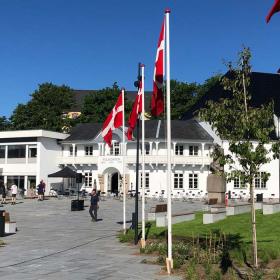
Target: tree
(45, 109)
(247, 129)
(4, 123)
(185, 95)
(98, 105)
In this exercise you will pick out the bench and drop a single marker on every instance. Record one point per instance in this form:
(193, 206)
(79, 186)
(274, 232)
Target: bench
(156, 211)
(161, 221)
(271, 208)
(238, 209)
(210, 218)
(10, 227)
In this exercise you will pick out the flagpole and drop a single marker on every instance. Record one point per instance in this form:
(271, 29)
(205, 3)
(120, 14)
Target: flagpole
(169, 260)
(123, 178)
(143, 157)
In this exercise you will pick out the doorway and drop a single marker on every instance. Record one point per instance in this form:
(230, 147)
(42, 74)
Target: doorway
(115, 183)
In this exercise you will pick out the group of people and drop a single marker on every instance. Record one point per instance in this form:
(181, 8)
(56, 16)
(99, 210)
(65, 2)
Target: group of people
(3, 192)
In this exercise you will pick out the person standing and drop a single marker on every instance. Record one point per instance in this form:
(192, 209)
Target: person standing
(3, 192)
(40, 189)
(14, 190)
(94, 199)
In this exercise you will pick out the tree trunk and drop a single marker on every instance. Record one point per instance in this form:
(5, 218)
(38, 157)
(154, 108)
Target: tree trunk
(254, 229)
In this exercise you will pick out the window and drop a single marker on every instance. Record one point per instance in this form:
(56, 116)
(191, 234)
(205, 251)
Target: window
(115, 149)
(238, 183)
(17, 151)
(179, 150)
(2, 151)
(178, 181)
(71, 150)
(147, 149)
(89, 150)
(32, 151)
(88, 179)
(193, 150)
(147, 179)
(260, 183)
(193, 181)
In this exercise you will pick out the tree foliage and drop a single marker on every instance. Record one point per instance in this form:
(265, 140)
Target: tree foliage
(97, 105)
(4, 123)
(184, 95)
(45, 109)
(247, 129)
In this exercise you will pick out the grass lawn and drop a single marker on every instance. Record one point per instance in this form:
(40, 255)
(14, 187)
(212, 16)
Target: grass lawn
(268, 229)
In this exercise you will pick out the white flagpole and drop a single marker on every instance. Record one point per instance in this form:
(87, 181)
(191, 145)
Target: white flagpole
(123, 178)
(143, 157)
(169, 260)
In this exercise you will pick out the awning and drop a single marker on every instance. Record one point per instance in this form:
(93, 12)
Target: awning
(66, 172)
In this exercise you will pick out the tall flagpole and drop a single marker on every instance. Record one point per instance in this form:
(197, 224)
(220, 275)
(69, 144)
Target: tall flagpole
(143, 157)
(169, 260)
(123, 177)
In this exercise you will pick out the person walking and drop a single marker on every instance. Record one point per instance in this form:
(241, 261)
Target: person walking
(3, 192)
(40, 189)
(14, 190)
(94, 199)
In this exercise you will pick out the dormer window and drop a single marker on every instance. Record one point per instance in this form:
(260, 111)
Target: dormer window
(179, 150)
(115, 149)
(88, 150)
(193, 150)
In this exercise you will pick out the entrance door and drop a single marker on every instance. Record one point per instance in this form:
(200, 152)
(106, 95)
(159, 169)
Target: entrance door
(115, 183)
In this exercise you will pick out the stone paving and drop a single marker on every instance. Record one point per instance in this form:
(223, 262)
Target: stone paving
(54, 243)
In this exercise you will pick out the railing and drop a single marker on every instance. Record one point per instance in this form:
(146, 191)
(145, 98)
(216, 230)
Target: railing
(149, 159)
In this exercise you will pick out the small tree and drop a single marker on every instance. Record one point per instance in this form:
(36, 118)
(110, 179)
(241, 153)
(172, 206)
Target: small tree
(4, 123)
(247, 129)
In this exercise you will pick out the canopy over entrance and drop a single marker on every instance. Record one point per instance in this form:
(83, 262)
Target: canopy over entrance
(66, 172)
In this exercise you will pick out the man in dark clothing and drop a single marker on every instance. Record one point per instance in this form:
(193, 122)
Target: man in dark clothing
(93, 205)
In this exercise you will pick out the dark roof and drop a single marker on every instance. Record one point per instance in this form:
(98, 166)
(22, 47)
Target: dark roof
(66, 172)
(79, 96)
(180, 129)
(154, 129)
(264, 88)
(84, 131)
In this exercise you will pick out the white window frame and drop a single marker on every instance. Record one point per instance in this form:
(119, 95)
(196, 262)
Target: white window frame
(89, 150)
(88, 180)
(147, 179)
(178, 181)
(193, 181)
(259, 182)
(115, 147)
(193, 150)
(71, 150)
(179, 150)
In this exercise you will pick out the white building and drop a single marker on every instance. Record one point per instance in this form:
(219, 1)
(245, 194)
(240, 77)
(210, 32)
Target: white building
(85, 151)
(28, 156)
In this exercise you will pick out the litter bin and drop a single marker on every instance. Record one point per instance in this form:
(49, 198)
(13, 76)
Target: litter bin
(259, 197)
(77, 205)
(2, 223)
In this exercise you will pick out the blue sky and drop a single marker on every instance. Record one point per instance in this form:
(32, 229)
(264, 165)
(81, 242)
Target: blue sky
(90, 44)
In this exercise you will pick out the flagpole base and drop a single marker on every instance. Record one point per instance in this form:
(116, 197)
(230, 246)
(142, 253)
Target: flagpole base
(169, 265)
(143, 243)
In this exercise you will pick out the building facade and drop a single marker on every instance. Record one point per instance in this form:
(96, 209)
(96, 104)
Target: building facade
(28, 156)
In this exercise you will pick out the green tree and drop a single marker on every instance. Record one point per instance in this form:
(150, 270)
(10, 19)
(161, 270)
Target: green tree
(4, 123)
(98, 105)
(185, 95)
(247, 129)
(45, 109)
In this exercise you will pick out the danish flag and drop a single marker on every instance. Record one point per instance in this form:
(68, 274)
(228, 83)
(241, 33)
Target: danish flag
(157, 104)
(275, 8)
(136, 110)
(114, 120)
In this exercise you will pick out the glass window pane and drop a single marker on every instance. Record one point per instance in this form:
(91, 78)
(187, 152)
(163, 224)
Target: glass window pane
(16, 151)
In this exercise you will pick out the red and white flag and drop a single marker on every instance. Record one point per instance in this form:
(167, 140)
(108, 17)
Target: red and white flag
(275, 8)
(114, 120)
(157, 104)
(136, 110)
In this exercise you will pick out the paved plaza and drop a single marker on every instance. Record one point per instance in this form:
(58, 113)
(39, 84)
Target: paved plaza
(54, 243)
